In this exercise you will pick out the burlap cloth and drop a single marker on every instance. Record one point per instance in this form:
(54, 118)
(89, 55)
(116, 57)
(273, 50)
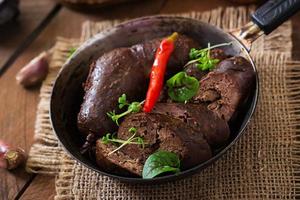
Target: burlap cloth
(264, 164)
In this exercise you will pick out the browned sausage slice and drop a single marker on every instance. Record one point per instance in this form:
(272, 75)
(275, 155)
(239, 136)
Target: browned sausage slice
(226, 87)
(159, 132)
(215, 130)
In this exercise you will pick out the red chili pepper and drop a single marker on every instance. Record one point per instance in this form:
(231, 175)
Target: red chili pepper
(162, 56)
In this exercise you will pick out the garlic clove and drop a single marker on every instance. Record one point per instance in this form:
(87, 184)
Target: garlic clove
(14, 158)
(11, 158)
(34, 72)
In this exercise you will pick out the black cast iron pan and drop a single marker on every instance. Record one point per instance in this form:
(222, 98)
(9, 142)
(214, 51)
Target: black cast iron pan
(68, 93)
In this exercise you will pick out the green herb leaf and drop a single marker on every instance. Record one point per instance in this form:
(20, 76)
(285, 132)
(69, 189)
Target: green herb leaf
(106, 138)
(161, 162)
(194, 53)
(71, 51)
(122, 101)
(132, 130)
(182, 87)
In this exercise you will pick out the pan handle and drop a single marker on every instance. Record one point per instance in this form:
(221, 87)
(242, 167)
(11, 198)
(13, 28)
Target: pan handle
(266, 19)
(273, 13)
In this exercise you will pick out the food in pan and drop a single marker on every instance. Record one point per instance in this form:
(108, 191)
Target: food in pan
(161, 106)
(123, 71)
(158, 132)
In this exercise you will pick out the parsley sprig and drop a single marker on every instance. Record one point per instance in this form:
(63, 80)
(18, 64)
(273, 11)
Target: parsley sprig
(109, 138)
(133, 107)
(202, 57)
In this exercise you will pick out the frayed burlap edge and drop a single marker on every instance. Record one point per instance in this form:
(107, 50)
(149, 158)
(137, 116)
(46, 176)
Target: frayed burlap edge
(293, 94)
(45, 153)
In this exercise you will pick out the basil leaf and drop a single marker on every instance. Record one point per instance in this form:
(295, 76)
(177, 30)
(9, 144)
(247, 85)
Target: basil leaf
(160, 162)
(182, 87)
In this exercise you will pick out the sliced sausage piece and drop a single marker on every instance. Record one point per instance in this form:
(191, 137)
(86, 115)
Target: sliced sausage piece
(215, 130)
(160, 132)
(226, 87)
(122, 71)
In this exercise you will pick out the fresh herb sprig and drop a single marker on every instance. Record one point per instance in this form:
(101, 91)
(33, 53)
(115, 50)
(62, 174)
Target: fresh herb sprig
(109, 138)
(202, 57)
(133, 107)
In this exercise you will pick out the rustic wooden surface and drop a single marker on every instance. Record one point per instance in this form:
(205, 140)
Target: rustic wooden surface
(18, 106)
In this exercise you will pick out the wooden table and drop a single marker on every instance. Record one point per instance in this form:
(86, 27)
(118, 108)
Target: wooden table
(38, 26)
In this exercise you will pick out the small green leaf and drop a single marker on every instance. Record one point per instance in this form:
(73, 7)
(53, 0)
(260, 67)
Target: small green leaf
(193, 54)
(71, 51)
(132, 130)
(114, 117)
(161, 162)
(106, 138)
(122, 101)
(182, 87)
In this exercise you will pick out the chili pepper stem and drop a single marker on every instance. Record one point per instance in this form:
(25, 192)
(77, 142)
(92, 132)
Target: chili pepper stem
(173, 37)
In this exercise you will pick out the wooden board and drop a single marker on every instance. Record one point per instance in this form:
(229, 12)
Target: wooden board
(18, 106)
(12, 36)
(296, 36)
(41, 188)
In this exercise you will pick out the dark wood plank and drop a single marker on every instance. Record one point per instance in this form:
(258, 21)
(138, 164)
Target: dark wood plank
(296, 36)
(41, 188)
(28, 40)
(32, 13)
(18, 110)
